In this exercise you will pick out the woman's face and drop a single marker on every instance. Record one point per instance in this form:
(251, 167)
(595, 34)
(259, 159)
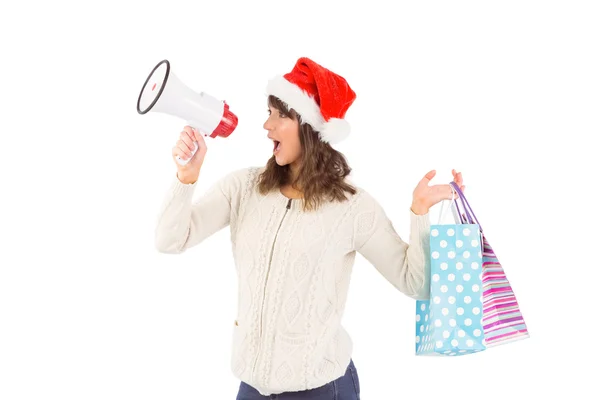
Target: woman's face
(284, 133)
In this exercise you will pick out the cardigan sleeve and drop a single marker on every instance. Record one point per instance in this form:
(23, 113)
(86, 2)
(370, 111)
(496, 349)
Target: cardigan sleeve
(182, 224)
(405, 264)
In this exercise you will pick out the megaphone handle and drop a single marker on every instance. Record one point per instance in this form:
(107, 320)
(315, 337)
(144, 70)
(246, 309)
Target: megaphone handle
(180, 161)
(194, 125)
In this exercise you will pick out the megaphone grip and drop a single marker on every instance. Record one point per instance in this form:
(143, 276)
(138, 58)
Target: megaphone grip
(181, 161)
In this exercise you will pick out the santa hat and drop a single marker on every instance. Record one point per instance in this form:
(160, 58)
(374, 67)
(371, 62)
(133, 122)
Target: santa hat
(320, 96)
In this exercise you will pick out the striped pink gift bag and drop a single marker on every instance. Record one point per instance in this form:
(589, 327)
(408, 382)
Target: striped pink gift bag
(502, 318)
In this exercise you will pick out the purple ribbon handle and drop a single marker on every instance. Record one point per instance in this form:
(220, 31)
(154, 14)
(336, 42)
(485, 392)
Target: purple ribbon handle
(469, 216)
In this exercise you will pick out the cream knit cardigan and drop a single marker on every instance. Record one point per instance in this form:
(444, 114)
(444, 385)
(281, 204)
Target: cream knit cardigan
(293, 271)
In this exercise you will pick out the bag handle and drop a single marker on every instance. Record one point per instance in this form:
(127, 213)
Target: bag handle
(450, 203)
(465, 218)
(469, 216)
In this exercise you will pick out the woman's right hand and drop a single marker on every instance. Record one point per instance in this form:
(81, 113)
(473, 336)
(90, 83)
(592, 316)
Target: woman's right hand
(183, 148)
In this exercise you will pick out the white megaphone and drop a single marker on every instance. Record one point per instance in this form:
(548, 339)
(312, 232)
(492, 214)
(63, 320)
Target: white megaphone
(163, 92)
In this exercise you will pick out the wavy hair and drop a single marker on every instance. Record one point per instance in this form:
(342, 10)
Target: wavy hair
(322, 170)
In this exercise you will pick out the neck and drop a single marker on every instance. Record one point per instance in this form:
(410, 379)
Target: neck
(293, 190)
(294, 171)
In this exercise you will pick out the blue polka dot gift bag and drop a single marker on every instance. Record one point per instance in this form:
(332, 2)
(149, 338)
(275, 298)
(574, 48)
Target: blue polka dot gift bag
(450, 322)
(472, 306)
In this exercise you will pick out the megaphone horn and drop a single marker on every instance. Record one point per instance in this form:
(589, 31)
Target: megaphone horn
(163, 92)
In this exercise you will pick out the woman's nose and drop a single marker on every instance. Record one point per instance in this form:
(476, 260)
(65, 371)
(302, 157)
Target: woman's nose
(267, 125)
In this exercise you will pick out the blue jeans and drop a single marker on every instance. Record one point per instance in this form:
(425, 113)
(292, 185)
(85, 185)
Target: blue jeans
(346, 387)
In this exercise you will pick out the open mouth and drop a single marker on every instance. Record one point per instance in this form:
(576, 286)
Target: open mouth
(276, 145)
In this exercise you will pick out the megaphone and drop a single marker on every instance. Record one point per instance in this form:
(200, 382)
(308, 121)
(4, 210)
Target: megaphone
(163, 92)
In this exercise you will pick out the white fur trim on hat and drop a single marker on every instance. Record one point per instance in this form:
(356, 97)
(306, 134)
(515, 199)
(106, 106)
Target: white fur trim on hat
(297, 99)
(333, 131)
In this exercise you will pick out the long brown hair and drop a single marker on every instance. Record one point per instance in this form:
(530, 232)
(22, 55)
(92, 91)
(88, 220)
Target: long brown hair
(322, 169)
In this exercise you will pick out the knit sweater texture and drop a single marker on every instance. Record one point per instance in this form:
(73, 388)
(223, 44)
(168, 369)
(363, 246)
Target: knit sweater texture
(293, 269)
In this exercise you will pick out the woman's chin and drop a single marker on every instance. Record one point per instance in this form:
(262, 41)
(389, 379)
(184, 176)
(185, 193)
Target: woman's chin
(280, 161)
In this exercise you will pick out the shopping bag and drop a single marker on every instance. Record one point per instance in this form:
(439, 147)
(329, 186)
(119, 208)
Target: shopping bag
(450, 322)
(502, 320)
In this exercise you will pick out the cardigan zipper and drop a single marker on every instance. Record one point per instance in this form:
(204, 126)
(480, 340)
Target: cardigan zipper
(289, 203)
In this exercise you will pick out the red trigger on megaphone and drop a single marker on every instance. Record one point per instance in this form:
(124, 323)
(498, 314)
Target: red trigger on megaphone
(163, 92)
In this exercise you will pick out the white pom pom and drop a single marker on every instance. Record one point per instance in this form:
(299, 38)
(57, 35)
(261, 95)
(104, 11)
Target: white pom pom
(335, 130)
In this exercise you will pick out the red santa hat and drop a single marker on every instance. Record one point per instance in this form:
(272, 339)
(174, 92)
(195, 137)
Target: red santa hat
(320, 96)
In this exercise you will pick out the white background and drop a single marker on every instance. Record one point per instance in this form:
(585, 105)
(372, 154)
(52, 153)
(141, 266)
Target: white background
(505, 92)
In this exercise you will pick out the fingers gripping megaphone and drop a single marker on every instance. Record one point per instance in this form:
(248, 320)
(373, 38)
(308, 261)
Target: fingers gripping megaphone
(163, 92)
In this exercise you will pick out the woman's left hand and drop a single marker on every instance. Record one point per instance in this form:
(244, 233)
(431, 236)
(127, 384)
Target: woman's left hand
(425, 196)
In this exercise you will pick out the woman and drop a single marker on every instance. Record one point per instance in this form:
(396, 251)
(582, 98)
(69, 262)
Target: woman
(296, 225)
